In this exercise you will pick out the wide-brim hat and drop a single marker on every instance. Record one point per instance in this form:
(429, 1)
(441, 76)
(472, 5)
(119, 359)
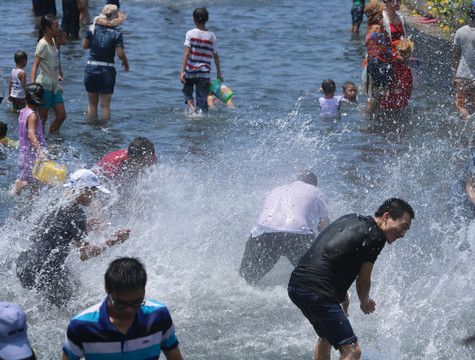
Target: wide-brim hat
(110, 16)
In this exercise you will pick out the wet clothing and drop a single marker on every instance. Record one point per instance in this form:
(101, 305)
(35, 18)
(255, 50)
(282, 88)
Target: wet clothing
(400, 89)
(327, 317)
(113, 164)
(357, 11)
(49, 65)
(203, 46)
(41, 266)
(70, 20)
(17, 86)
(286, 227)
(100, 74)
(44, 7)
(28, 155)
(335, 258)
(330, 108)
(465, 39)
(91, 335)
(459, 203)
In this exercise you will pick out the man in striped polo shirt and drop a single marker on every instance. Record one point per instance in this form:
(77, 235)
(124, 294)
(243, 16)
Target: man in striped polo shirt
(201, 48)
(125, 325)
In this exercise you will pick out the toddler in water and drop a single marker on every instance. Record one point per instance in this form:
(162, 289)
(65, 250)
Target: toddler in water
(31, 137)
(329, 104)
(17, 84)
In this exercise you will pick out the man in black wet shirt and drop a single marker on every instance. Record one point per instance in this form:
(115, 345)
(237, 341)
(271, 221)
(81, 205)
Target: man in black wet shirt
(346, 250)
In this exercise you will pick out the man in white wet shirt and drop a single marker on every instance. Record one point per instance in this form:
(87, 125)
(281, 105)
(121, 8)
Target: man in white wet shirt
(293, 215)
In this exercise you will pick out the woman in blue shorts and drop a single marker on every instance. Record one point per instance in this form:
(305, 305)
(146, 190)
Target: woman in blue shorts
(103, 40)
(46, 58)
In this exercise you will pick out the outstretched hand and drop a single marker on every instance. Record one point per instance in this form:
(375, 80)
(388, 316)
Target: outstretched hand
(121, 235)
(368, 306)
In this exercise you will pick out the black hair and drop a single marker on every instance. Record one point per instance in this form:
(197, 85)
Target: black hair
(20, 56)
(125, 273)
(396, 209)
(34, 94)
(328, 86)
(46, 21)
(140, 147)
(3, 129)
(308, 177)
(471, 12)
(201, 15)
(348, 83)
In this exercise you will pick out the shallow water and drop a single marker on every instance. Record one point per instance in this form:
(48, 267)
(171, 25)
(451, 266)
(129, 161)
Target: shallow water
(191, 216)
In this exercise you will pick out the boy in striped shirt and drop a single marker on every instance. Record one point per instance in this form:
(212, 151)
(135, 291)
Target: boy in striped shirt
(201, 48)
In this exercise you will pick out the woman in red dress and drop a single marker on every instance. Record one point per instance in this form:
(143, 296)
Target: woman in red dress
(401, 86)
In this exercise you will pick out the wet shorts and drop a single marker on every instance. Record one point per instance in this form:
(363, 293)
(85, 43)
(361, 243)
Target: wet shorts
(51, 100)
(327, 317)
(99, 79)
(357, 14)
(465, 95)
(380, 71)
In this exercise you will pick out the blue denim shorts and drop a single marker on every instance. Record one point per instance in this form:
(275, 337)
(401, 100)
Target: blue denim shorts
(99, 79)
(327, 317)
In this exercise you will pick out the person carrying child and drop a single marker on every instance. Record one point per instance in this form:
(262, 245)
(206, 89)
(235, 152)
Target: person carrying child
(201, 47)
(17, 84)
(30, 134)
(380, 57)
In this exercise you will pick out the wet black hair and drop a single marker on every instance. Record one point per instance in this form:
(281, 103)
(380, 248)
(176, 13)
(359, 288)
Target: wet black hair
(328, 86)
(46, 21)
(125, 273)
(396, 209)
(201, 15)
(139, 148)
(307, 177)
(20, 56)
(34, 94)
(348, 83)
(3, 129)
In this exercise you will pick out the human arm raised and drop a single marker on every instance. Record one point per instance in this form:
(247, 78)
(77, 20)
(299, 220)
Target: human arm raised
(88, 251)
(363, 286)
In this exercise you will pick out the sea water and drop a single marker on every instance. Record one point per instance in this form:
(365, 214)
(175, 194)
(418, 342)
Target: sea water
(190, 217)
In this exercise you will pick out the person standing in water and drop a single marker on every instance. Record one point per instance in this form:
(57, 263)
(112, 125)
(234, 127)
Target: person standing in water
(47, 60)
(201, 47)
(345, 251)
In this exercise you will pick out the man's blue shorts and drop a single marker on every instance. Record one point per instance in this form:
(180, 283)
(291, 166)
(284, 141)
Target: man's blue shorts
(327, 317)
(51, 100)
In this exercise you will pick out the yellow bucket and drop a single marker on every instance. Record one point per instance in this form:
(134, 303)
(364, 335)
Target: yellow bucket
(49, 172)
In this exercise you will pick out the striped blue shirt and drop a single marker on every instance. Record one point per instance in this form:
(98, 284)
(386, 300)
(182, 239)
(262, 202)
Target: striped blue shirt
(91, 335)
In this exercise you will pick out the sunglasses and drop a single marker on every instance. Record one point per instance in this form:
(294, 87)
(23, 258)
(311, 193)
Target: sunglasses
(124, 306)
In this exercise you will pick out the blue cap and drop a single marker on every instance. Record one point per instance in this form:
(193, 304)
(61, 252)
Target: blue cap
(14, 342)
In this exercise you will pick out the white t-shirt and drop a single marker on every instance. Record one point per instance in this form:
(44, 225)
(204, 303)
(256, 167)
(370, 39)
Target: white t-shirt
(295, 208)
(203, 45)
(330, 107)
(49, 66)
(465, 39)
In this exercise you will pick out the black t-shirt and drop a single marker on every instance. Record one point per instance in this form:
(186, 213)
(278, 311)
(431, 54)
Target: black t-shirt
(52, 240)
(334, 261)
